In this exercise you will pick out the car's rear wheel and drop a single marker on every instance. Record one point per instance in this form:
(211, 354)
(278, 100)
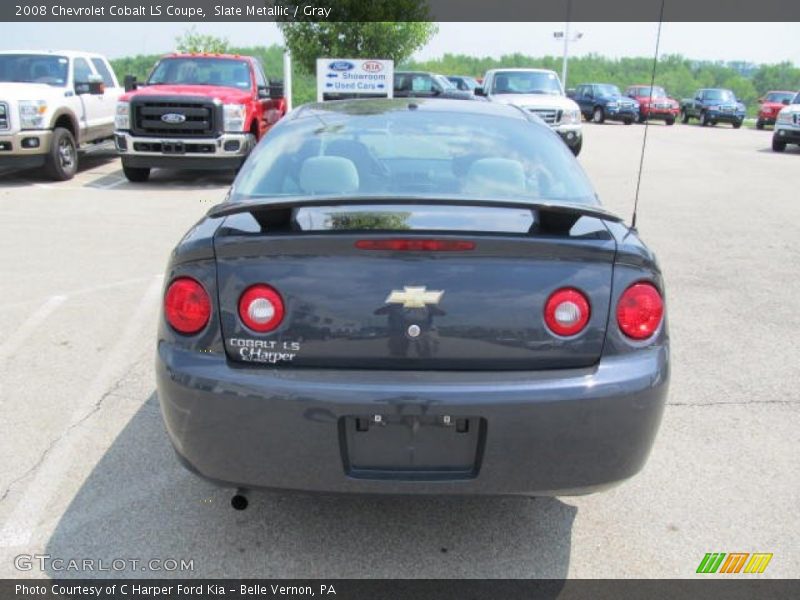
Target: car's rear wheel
(628, 121)
(759, 124)
(61, 163)
(670, 121)
(684, 117)
(777, 145)
(598, 115)
(737, 124)
(703, 119)
(136, 174)
(642, 118)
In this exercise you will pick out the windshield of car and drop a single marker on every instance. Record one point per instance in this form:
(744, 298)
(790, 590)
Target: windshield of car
(34, 68)
(445, 82)
(778, 96)
(464, 83)
(606, 89)
(202, 71)
(526, 82)
(388, 150)
(722, 95)
(657, 92)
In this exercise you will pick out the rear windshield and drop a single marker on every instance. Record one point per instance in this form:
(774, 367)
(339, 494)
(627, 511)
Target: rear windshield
(413, 153)
(34, 68)
(779, 96)
(202, 71)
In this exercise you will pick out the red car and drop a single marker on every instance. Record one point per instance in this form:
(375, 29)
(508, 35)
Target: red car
(770, 105)
(659, 106)
(196, 111)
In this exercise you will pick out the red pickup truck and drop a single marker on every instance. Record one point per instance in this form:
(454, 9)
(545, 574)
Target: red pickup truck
(195, 111)
(654, 106)
(770, 105)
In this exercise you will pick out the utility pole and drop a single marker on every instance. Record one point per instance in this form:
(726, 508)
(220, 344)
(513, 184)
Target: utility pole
(567, 37)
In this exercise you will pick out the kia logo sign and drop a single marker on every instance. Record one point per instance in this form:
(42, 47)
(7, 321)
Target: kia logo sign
(173, 118)
(341, 65)
(372, 66)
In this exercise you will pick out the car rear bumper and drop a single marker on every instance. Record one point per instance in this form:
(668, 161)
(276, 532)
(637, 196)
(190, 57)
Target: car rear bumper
(539, 433)
(227, 151)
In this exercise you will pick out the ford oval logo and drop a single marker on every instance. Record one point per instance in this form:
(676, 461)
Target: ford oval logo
(173, 118)
(341, 65)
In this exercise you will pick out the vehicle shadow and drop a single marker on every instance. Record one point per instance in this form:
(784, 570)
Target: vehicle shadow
(87, 161)
(138, 503)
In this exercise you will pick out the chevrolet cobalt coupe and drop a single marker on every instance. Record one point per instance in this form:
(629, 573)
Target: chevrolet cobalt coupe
(413, 296)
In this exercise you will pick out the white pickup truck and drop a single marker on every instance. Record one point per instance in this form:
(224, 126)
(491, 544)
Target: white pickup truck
(51, 105)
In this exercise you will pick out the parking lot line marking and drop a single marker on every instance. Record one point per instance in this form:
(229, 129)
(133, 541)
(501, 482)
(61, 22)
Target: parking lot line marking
(55, 465)
(29, 325)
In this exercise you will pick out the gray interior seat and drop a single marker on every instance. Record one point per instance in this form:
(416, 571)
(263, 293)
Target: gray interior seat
(328, 175)
(495, 177)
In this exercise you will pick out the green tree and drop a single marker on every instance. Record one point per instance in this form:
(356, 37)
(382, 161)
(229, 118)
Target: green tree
(191, 41)
(402, 28)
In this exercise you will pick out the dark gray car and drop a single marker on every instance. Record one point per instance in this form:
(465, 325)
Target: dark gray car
(413, 296)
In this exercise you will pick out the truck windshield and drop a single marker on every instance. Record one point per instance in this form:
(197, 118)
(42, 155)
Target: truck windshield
(779, 96)
(657, 92)
(526, 82)
(723, 95)
(34, 68)
(201, 70)
(606, 89)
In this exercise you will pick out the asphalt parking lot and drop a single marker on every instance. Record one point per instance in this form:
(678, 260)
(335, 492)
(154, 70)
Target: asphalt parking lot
(88, 471)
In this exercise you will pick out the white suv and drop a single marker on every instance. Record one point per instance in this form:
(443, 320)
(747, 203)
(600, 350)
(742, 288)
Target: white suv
(787, 126)
(540, 92)
(51, 105)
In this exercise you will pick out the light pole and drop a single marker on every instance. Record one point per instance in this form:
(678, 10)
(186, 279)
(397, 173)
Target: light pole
(567, 37)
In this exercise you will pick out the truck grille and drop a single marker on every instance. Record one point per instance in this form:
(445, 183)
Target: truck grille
(200, 118)
(551, 116)
(3, 116)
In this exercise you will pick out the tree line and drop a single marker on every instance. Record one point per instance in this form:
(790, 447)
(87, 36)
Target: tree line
(679, 75)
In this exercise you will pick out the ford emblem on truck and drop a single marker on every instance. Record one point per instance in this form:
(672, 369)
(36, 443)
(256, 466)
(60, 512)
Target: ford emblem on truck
(173, 118)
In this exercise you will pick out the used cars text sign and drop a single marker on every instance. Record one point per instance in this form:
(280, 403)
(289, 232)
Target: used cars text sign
(349, 76)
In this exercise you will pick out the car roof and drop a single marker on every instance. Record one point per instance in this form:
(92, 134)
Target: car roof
(67, 53)
(366, 106)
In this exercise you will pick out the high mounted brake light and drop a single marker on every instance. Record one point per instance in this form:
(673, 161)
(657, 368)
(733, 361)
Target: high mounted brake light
(414, 245)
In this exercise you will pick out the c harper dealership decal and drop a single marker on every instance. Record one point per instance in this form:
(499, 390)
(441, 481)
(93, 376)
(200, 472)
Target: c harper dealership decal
(265, 351)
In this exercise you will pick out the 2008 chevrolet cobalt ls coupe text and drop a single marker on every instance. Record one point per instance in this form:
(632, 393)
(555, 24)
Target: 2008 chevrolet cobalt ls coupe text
(413, 296)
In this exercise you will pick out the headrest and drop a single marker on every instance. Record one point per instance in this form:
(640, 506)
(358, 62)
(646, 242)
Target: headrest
(495, 177)
(328, 175)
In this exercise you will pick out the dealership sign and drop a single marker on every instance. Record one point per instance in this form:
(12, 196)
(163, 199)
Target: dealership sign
(337, 77)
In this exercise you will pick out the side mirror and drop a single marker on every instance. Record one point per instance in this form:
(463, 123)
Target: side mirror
(130, 83)
(263, 92)
(94, 86)
(276, 90)
(479, 91)
(786, 102)
(698, 98)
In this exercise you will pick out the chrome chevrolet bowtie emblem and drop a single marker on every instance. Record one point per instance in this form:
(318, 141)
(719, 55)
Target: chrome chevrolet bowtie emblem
(414, 297)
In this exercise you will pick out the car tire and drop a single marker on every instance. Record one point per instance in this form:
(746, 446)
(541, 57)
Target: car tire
(759, 124)
(598, 115)
(61, 163)
(136, 174)
(576, 149)
(703, 119)
(628, 121)
(670, 121)
(684, 117)
(642, 118)
(777, 145)
(737, 124)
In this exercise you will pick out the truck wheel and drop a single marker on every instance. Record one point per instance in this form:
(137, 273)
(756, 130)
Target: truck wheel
(777, 145)
(737, 124)
(670, 121)
(759, 124)
(703, 119)
(598, 116)
(136, 174)
(61, 163)
(684, 117)
(628, 121)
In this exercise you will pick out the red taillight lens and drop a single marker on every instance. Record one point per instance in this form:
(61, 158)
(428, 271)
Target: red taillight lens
(261, 308)
(640, 310)
(416, 245)
(187, 306)
(567, 312)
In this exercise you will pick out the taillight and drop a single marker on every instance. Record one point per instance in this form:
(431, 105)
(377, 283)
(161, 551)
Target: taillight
(640, 310)
(415, 245)
(567, 312)
(261, 308)
(187, 306)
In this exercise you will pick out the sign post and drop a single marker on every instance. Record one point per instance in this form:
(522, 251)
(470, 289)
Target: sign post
(339, 78)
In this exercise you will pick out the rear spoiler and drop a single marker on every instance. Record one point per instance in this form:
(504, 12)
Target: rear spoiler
(276, 205)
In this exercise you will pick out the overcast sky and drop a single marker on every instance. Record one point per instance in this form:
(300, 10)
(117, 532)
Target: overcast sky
(754, 42)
